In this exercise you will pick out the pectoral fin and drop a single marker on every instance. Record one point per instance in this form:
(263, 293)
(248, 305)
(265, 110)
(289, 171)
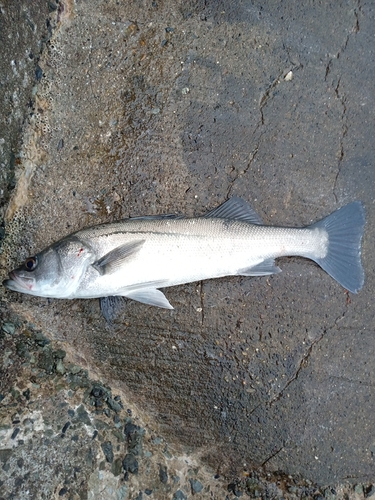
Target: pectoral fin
(116, 257)
(261, 269)
(151, 296)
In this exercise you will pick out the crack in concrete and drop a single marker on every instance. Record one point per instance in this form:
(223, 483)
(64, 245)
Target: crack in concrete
(357, 13)
(340, 95)
(328, 69)
(263, 101)
(344, 130)
(302, 364)
(355, 29)
(272, 456)
(202, 301)
(252, 156)
(267, 95)
(342, 316)
(255, 408)
(304, 361)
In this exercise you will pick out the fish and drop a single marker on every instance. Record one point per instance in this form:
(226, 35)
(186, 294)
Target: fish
(135, 257)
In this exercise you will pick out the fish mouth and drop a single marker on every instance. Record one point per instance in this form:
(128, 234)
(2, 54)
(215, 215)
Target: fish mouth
(18, 284)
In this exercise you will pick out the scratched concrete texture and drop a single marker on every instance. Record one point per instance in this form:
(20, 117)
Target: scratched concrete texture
(162, 107)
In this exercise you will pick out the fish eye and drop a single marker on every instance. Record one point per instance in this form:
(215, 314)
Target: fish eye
(31, 263)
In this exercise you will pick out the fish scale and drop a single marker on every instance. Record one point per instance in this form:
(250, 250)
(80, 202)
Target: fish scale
(180, 251)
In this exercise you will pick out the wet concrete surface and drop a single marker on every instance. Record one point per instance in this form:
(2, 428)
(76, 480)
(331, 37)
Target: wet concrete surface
(22, 31)
(167, 107)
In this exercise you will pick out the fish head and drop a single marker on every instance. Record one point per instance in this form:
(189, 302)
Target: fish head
(55, 272)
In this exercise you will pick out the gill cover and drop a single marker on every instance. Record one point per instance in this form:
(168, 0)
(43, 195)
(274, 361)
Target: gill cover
(54, 272)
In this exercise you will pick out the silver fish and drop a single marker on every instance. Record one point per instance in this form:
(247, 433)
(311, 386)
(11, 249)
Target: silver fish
(135, 257)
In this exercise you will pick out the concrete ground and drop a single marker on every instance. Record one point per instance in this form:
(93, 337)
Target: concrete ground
(114, 109)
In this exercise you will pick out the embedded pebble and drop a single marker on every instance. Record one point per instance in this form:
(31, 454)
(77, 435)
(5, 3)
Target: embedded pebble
(73, 369)
(82, 415)
(15, 433)
(358, 489)
(59, 354)
(8, 328)
(65, 428)
(134, 435)
(163, 475)
(46, 361)
(196, 486)
(179, 495)
(116, 467)
(38, 73)
(40, 339)
(288, 76)
(60, 368)
(114, 405)
(108, 451)
(121, 493)
(130, 464)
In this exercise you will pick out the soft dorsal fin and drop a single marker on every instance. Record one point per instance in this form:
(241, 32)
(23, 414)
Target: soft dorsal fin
(235, 208)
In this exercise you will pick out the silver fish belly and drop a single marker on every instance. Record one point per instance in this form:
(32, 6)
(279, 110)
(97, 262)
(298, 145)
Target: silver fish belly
(137, 256)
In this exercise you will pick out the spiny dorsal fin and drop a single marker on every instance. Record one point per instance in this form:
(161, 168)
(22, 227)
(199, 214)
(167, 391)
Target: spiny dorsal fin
(235, 208)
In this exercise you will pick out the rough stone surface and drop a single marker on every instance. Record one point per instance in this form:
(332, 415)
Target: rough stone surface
(160, 107)
(22, 32)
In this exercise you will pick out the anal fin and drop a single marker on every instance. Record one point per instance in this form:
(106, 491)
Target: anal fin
(150, 296)
(264, 268)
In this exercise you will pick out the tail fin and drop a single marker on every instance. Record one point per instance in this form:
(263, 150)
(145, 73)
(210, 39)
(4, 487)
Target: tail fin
(343, 259)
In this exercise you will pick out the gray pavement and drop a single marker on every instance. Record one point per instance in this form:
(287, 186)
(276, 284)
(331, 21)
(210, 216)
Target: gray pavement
(161, 107)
